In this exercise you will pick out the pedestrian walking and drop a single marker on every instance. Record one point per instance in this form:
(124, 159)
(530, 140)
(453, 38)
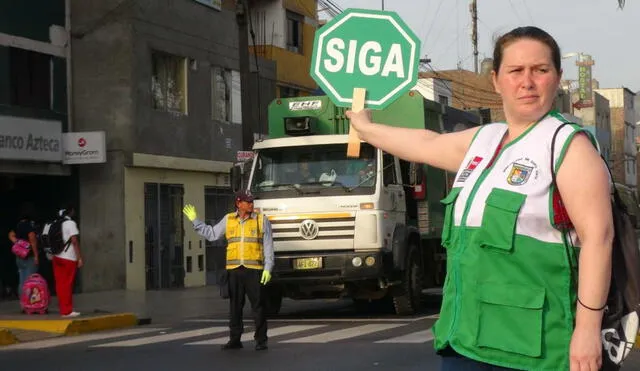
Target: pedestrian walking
(509, 301)
(249, 263)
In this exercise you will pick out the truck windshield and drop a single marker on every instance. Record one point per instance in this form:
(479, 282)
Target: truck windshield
(316, 170)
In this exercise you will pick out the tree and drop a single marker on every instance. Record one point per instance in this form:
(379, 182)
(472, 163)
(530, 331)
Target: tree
(621, 3)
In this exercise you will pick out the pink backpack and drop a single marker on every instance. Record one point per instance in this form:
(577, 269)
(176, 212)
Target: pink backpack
(21, 248)
(35, 295)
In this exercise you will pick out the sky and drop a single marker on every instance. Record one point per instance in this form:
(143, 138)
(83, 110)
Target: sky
(596, 27)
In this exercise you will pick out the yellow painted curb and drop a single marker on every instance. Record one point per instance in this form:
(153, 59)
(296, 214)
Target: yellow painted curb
(74, 326)
(108, 322)
(6, 337)
(58, 326)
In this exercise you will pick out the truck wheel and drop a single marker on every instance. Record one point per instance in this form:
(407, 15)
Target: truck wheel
(407, 295)
(273, 302)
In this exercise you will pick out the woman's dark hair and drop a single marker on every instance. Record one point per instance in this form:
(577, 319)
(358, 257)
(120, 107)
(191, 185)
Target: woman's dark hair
(528, 32)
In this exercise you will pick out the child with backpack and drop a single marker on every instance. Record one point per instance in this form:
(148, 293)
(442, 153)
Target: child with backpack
(60, 239)
(25, 248)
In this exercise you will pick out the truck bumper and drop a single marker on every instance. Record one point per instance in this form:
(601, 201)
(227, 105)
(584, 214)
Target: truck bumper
(336, 267)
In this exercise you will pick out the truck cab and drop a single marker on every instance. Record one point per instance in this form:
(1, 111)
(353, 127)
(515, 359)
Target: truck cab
(367, 228)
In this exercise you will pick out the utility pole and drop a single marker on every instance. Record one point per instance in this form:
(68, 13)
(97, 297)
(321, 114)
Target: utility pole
(474, 33)
(382, 4)
(242, 14)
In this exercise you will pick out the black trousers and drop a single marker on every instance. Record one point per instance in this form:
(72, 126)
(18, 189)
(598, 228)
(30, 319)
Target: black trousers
(453, 361)
(245, 281)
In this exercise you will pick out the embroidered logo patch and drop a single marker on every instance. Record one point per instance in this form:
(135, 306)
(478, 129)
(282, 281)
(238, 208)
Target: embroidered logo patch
(464, 175)
(520, 171)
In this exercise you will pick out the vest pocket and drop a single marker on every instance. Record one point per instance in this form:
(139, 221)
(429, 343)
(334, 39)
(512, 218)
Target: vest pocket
(510, 318)
(448, 223)
(498, 227)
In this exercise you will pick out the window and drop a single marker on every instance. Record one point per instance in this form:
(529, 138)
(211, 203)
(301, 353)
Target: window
(31, 78)
(169, 83)
(226, 98)
(443, 100)
(288, 92)
(388, 170)
(294, 32)
(314, 171)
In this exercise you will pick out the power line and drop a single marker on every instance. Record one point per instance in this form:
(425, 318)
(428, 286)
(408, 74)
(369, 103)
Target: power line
(526, 7)
(441, 29)
(335, 5)
(424, 17)
(329, 8)
(424, 41)
(514, 11)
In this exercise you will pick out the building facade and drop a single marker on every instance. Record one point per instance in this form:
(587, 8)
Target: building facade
(598, 119)
(285, 31)
(470, 90)
(623, 133)
(162, 79)
(34, 181)
(437, 90)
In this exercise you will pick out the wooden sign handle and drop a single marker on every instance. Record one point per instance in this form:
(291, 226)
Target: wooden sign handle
(357, 104)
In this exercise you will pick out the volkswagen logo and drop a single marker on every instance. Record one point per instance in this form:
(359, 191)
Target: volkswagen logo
(309, 229)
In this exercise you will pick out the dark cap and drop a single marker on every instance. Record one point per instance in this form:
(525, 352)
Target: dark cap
(244, 196)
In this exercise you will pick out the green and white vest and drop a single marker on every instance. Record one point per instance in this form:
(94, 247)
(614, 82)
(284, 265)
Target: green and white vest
(508, 297)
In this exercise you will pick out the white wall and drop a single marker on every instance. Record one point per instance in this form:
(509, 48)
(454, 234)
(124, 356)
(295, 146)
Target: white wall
(433, 88)
(269, 22)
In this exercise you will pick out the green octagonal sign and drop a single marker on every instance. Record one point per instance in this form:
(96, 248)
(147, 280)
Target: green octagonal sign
(369, 49)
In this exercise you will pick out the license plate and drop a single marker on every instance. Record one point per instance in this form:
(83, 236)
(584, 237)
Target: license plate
(307, 263)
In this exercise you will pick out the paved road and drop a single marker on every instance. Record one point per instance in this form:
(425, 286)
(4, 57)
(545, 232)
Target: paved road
(314, 336)
(379, 343)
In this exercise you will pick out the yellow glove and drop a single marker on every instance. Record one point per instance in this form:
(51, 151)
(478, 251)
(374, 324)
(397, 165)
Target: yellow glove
(266, 277)
(190, 212)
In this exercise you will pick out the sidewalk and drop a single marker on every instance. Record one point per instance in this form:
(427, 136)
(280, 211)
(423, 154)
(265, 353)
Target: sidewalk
(111, 309)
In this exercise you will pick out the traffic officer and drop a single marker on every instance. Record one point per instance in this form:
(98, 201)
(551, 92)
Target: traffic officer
(249, 263)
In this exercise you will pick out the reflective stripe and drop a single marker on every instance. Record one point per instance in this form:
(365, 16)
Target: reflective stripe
(250, 266)
(239, 262)
(246, 239)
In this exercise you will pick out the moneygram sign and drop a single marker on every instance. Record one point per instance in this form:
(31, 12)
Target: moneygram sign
(30, 139)
(84, 147)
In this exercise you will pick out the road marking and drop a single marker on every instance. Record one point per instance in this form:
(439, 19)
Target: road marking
(412, 338)
(164, 338)
(69, 340)
(343, 333)
(330, 320)
(278, 331)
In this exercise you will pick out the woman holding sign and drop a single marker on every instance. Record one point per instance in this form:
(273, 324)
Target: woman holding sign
(509, 301)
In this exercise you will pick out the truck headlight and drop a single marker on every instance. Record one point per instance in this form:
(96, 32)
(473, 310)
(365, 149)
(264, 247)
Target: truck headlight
(369, 261)
(357, 261)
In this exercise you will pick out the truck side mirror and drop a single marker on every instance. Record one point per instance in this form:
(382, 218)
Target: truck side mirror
(235, 178)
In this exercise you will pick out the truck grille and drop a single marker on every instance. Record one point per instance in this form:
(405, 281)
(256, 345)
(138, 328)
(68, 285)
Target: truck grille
(313, 227)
